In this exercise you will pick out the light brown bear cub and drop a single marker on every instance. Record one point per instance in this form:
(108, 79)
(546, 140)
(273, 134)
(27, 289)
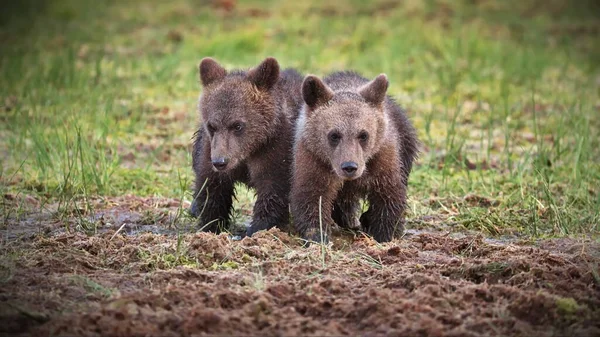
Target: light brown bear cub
(246, 136)
(352, 142)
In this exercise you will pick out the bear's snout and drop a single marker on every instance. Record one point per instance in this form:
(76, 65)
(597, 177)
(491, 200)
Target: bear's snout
(220, 163)
(349, 168)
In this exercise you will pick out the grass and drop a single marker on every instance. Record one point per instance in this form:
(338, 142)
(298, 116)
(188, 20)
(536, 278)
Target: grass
(369, 260)
(99, 98)
(164, 259)
(91, 286)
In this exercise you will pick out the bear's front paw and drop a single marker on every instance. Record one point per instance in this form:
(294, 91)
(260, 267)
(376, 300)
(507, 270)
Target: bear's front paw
(258, 225)
(382, 237)
(315, 236)
(381, 230)
(252, 229)
(215, 226)
(349, 222)
(354, 223)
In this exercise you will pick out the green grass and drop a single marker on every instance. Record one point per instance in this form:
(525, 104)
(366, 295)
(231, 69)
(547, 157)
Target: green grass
(91, 286)
(99, 98)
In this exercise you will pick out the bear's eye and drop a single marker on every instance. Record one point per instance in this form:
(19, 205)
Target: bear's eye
(211, 128)
(363, 136)
(237, 127)
(334, 137)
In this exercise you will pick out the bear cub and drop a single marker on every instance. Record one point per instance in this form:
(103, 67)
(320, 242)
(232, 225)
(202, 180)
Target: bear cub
(352, 141)
(246, 136)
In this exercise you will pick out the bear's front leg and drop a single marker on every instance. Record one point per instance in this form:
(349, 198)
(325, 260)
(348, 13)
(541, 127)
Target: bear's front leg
(213, 201)
(346, 207)
(269, 175)
(312, 182)
(272, 205)
(213, 191)
(385, 217)
(386, 193)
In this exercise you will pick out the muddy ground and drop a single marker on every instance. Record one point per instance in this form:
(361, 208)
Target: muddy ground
(132, 274)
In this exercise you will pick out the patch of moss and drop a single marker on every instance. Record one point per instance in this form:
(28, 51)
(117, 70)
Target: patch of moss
(567, 306)
(228, 265)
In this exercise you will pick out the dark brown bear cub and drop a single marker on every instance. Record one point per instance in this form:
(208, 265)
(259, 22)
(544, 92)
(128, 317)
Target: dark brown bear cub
(352, 142)
(246, 136)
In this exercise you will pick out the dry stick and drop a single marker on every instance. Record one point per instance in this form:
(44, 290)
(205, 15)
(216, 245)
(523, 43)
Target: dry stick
(321, 229)
(118, 230)
(205, 200)
(208, 224)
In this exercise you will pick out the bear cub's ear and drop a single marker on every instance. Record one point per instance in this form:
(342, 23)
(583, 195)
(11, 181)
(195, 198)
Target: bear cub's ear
(374, 91)
(210, 71)
(315, 92)
(265, 75)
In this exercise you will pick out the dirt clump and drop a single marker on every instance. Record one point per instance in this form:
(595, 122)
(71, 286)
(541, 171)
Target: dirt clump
(269, 284)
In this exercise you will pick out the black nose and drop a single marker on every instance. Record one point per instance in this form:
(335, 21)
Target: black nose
(220, 163)
(349, 167)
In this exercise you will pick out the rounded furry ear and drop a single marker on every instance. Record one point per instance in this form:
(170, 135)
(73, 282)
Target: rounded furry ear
(315, 92)
(210, 71)
(266, 74)
(374, 91)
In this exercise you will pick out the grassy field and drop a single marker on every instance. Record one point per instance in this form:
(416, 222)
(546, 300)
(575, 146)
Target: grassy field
(99, 98)
(98, 108)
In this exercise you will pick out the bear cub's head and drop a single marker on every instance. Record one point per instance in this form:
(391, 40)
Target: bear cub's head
(238, 110)
(344, 128)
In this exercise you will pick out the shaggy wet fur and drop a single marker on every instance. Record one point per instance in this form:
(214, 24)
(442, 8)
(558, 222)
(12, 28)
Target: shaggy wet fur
(246, 136)
(352, 142)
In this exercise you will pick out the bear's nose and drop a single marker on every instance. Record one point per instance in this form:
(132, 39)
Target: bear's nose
(220, 163)
(349, 167)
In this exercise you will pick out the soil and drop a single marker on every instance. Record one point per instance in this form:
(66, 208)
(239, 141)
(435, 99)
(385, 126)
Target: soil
(137, 275)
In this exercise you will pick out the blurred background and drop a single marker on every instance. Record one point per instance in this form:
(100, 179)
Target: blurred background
(98, 98)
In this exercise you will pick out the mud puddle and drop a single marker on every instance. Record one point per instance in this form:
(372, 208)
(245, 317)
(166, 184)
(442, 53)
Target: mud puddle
(500, 240)
(127, 215)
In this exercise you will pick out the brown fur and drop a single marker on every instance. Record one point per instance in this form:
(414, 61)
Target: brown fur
(248, 120)
(350, 124)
